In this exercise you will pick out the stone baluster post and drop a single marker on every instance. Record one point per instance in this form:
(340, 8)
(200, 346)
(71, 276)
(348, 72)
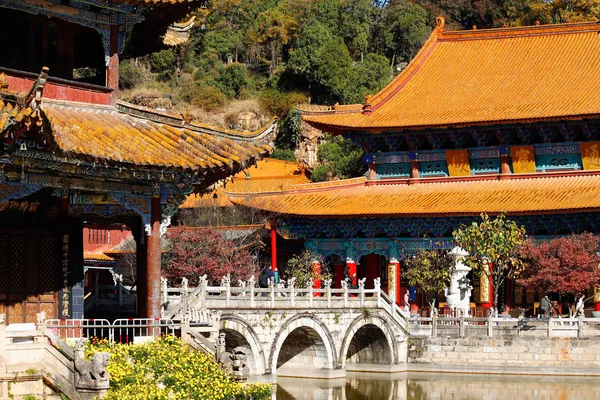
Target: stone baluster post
(291, 283)
(461, 322)
(272, 287)
(184, 286)
(434, 322)
(490, 323)
(345, 289)
(327, 283)
(550, 323)
(361, 291)
(227, 283)
(203, 282)
(377, 287)
(309, 284)
(580, 326)
(251, 283)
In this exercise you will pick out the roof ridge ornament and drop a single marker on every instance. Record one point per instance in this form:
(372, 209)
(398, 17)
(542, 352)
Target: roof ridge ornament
(440, 23)
(367, 107)
(3, 81)
(34, 97)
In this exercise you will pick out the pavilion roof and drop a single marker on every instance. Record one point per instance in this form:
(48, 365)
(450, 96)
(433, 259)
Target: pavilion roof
(122, 134)
(484, 77)
(268, 176)
(515, 194)
(134, 135)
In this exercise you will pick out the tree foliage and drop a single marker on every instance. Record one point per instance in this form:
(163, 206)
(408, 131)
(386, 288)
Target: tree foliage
(431, 271)
(193, 252)
(339, 158)
(566, 265)
(495, 243)
(301, 268)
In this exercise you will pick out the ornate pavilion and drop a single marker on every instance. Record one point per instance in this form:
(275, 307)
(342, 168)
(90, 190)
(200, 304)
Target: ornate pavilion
(73, 154)
(498, 121)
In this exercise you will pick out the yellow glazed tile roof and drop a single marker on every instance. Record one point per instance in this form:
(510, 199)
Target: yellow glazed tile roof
(552, 192)
(139, 136)
(268, 175)
(479, 77)
(96, 257)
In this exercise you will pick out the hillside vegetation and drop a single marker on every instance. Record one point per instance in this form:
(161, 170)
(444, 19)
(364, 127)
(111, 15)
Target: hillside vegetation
(262, 57)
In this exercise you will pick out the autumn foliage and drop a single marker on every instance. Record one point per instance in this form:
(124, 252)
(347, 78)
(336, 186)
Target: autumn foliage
(193, 252)
(566, 265)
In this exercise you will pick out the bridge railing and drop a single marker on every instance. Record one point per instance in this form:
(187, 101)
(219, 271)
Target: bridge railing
(247, 295)
(130, 330)
(465, 326)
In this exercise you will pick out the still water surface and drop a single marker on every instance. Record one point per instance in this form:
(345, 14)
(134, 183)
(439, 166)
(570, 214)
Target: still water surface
(429, 386)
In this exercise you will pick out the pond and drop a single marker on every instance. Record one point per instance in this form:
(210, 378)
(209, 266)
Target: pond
(434, 386)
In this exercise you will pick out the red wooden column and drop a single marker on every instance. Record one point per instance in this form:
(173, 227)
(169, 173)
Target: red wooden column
(351, 264)
(486, 290)
(112, 70)
(597, 298)
(141, 249)
(316, 270)
(394, 290)
(273, 244)
(153, 266)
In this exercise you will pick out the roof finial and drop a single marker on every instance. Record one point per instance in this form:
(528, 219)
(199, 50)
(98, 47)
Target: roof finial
(440, 23)
(537, 22)
(506, 24)
(474, 27)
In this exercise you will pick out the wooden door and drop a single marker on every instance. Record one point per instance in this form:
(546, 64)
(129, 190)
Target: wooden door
(29, 272)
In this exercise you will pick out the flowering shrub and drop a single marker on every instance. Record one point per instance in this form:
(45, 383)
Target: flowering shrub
(164, 369)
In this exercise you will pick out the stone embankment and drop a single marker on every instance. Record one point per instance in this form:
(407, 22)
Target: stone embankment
(562, 356)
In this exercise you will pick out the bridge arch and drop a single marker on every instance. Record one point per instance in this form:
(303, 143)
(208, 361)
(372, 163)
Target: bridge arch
(304, 331)
(374, 334)
(239, 333)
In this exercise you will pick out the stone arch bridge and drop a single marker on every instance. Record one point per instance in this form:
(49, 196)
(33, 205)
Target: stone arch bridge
(292, 331)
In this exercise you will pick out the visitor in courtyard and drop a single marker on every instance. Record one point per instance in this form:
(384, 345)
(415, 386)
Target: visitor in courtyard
(265, 276)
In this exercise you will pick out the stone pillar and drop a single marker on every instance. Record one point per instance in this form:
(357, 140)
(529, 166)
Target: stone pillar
(394, 280)
(112, 69)
(153, 262)
(273, 245)
(316, 270)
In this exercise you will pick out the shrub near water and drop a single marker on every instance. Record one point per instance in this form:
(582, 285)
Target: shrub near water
(164, 369)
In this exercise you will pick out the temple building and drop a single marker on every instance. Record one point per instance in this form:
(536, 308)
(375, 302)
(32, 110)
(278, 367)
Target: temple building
(73, 154)
(497, 121)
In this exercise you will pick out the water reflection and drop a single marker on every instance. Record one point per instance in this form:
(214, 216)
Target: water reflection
(428, 386)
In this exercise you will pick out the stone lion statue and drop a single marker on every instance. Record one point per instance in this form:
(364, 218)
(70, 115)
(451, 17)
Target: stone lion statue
(93, 374)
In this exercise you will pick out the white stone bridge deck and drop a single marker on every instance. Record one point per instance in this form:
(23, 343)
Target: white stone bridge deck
(292, 331)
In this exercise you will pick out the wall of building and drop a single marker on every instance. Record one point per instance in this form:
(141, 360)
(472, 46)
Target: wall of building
(98, 238)
(531, 352)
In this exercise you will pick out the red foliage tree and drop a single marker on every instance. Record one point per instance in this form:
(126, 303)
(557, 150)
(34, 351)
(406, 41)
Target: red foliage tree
(193, 252)
(566, 265)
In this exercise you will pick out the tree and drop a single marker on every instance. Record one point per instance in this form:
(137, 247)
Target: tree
(193, 252)
(566, 265)
(492, 248)
(301, 267)
(338, 158)
(431, 271)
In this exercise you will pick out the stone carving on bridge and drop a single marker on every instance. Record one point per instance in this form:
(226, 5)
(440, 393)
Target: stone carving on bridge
(234, 362)
(361, 283)
(91, 375)
(458, 295)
